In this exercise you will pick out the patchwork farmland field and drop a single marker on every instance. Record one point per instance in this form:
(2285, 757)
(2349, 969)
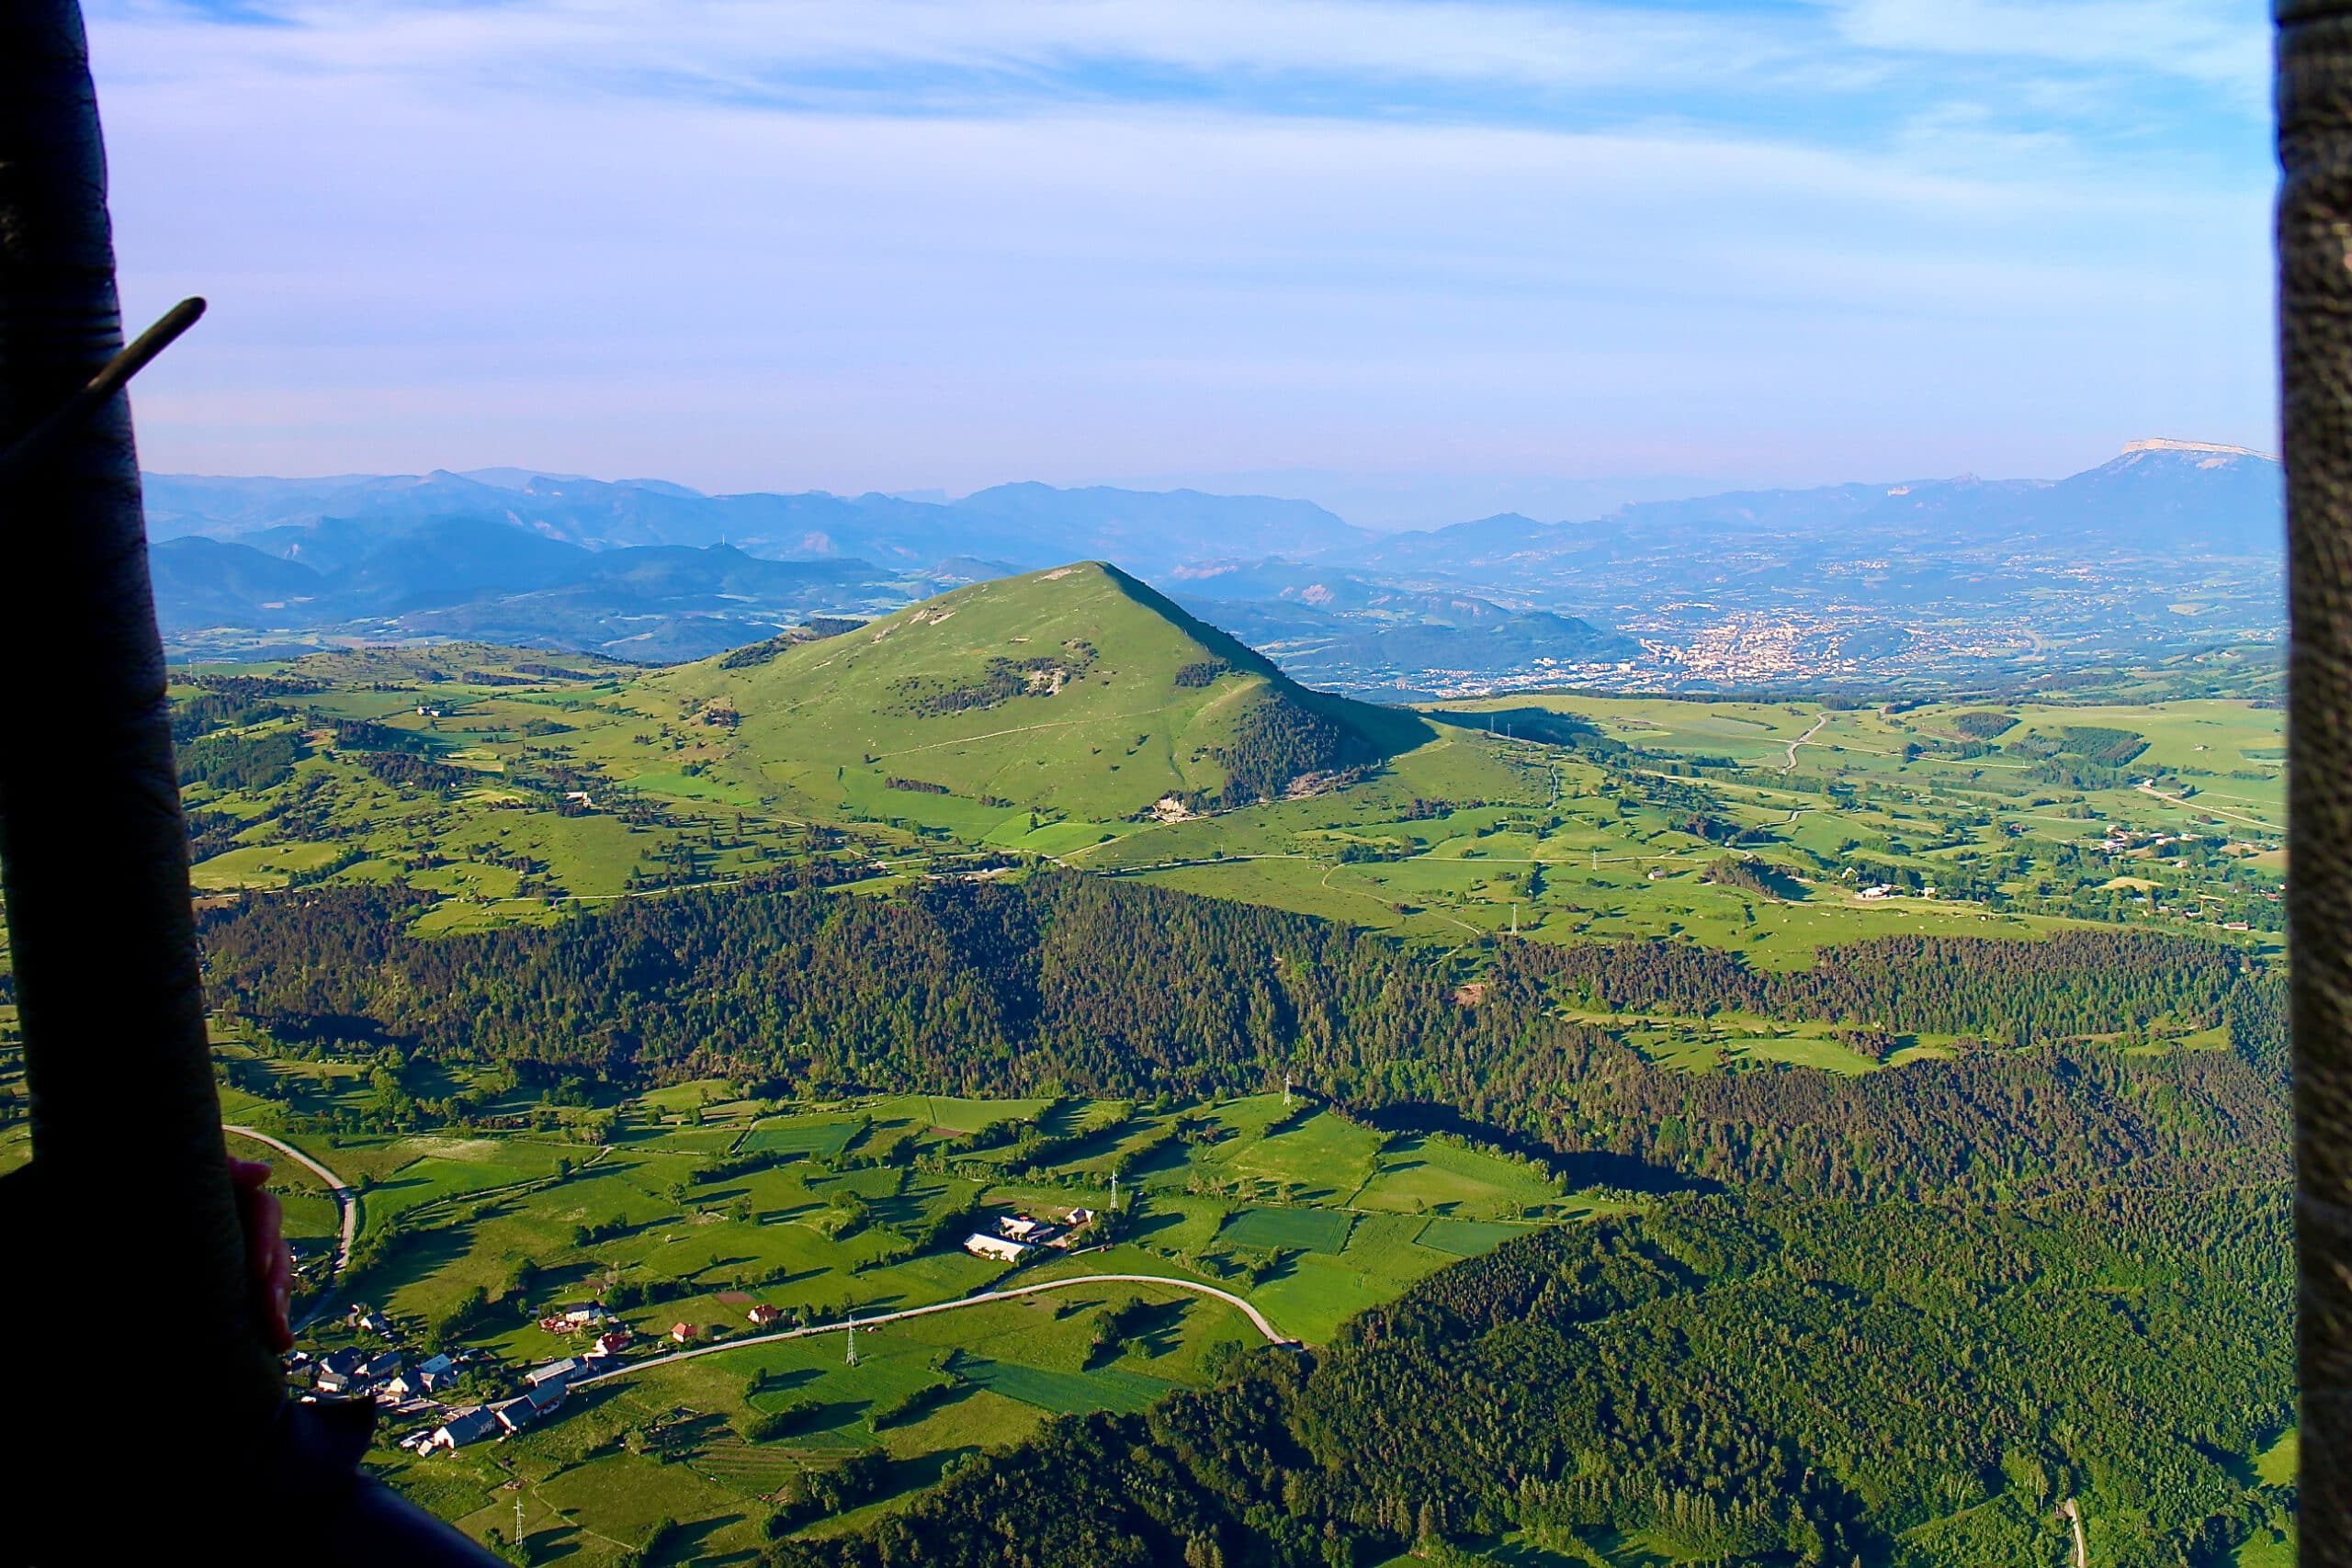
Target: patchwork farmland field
(1272, 1230)
(1572, 817)
(690, 1204)
(823, 1139)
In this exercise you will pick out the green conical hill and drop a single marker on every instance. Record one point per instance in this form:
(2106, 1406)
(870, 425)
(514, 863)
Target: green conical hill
(1079, 689)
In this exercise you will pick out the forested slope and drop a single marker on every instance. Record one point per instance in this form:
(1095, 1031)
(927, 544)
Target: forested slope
(1066, 983)
(1726, 1381)
(1886, 1319)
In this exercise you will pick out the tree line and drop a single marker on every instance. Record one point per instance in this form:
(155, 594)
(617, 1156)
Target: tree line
(1789, 1382)
(1066, 983)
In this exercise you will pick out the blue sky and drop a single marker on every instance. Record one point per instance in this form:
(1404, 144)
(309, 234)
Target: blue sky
(1448, 249)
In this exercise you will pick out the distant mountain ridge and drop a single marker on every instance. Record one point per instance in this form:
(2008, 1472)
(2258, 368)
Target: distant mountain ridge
(2154, 494)
(1026, 523)
(479, 580)
(2173, 494)
(1846, 572)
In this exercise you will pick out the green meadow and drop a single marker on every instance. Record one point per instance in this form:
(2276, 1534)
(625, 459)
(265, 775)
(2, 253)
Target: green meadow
(690, 1203)
(1073, 718)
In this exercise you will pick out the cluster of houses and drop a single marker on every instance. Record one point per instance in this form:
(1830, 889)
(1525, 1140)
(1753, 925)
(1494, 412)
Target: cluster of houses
(543, 1391)
(544, 1388)
(1015, 1236)
(2120, 840)
(384, 1376)
(760, 1315)
(387, 1377)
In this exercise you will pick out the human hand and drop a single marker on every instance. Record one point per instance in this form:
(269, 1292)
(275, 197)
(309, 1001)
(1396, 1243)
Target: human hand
(266, 1254)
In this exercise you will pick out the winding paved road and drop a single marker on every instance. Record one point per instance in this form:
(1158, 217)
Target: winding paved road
(346, 1203)
(1255, 1316)
(1800, 740)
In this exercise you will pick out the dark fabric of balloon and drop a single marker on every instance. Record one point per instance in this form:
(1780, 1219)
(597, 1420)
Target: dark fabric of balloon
(2315, 233)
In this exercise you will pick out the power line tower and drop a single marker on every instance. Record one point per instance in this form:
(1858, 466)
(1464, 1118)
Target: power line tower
(852, 1360)
(1287, 1102)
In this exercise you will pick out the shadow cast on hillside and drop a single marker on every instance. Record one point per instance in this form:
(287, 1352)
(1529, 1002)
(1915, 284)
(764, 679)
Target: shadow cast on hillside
(1577, 1169)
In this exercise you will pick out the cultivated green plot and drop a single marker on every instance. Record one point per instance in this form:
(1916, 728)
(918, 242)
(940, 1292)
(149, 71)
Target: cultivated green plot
(1317, 1155)
(1308, 1230)
(260, 865)
(1465, 1239)
(820, 1138)
(1067, 1392)
(1432, 1176)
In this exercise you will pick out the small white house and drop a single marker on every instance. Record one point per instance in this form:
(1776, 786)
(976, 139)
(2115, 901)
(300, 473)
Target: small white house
(469, 1424)
(582, 1316)
(1002, 1249)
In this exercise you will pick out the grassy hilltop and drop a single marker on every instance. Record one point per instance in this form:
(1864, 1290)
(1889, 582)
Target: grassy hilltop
(1077, 690)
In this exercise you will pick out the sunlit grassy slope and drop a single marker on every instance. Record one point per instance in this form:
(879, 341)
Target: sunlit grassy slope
(1077, 690)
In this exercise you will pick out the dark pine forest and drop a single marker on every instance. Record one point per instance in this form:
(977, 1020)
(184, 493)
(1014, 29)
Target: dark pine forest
(1886, 1319)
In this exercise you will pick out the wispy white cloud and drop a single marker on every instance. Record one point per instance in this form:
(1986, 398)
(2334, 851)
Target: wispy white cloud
(2220, 42)
(738, 43)
(907, 242)
(1373, 57)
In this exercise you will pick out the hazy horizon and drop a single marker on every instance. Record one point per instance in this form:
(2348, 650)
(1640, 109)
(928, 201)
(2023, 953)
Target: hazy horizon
(1384, 502)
